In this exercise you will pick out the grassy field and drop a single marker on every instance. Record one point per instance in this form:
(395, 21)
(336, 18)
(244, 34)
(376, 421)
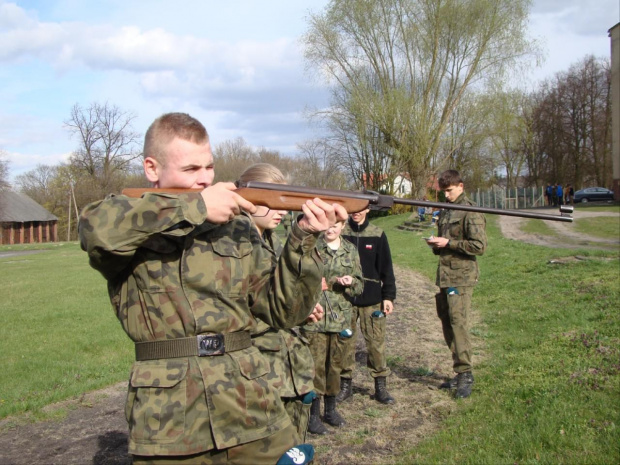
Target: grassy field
(59, 336)
(548, 390)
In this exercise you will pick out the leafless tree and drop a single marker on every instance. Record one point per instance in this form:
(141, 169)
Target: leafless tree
(107, 143)
(571, 120)
(4, 171)
(320, 166)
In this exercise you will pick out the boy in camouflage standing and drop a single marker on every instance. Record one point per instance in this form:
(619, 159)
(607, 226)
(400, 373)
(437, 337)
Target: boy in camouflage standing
(461, 237)
(186, 276)
(342, 278)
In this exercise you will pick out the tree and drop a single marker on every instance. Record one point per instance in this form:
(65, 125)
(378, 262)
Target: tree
(571, 120)
(404, 66)
(508, 129)
(231, 158)
(4, 171)
(107, 144)
(320, 166)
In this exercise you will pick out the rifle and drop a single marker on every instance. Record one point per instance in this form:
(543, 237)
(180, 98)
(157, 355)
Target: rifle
(290, 197)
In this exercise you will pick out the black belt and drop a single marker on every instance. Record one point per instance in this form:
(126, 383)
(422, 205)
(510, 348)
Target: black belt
(202, 345)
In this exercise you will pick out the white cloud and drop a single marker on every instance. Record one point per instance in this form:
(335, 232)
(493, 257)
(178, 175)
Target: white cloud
(104, 47)
(578, 17)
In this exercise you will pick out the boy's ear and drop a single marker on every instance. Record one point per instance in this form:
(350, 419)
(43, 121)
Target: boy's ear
(151, 169)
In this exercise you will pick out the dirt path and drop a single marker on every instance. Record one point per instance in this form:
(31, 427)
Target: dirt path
(95, 431)
(566, 235)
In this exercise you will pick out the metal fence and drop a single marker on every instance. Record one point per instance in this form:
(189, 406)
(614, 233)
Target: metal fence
(520, 197)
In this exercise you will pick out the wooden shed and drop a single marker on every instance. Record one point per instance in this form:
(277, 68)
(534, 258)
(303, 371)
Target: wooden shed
(24, 221)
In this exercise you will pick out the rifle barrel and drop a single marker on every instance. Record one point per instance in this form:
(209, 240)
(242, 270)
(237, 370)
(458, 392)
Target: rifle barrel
(565, 210)
(382, 202)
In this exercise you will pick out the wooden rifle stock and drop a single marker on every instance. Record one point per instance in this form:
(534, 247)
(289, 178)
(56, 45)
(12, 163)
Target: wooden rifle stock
(289, 197)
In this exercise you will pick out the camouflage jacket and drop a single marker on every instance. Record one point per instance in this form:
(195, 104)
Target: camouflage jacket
(467, 235)
(341, 262)
(172, 274)
(290, 361)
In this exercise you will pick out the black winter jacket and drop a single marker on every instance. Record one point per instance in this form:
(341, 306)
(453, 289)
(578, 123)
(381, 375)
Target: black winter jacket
(376, 261)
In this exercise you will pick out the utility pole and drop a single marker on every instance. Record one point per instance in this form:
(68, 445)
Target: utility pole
(69, 223)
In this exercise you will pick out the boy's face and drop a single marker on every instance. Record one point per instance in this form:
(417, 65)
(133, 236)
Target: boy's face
(453, 192)
(360, 217)
(333, 232)
(186, 165)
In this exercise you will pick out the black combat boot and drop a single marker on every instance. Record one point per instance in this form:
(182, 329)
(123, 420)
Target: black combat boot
(332, 417)
(346, 389)
(381, 393)
(464, 383)
(315, 425)
(451, 384)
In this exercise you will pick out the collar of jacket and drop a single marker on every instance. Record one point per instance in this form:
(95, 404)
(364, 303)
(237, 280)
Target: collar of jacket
(460, 198)
(358, 227)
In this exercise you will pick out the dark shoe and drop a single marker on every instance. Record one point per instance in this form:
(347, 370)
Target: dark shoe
(332, 417)
(451, 384)
(315, 425)
(381, 393)
(464, 383)
(346, 389)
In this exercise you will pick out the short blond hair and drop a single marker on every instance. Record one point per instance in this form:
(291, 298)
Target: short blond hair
(168, 126)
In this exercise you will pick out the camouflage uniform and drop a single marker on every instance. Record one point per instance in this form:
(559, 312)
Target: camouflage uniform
(171, 274)
(326, 343)
(457, 274)
(286, 350)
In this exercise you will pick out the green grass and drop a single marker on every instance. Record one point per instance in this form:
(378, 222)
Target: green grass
(538, 227)
(59, 336)
(600, 226)
(599, 208)
(549, 389)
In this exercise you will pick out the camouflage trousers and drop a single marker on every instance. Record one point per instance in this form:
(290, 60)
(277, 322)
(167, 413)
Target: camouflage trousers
(327, 352)
(299, 413)
(265, 451)
(453, 306)
(373, 330)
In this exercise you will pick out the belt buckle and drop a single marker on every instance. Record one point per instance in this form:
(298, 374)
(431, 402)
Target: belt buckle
(210, 344)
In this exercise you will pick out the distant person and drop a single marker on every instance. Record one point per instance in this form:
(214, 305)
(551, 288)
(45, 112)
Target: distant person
(554, 195)
(461, 237)
(187, 275)
(570, 194)
(328, 336)
(287, 221)
(549, 194)
(559, 195)
(372, 306)
(422, 211)
(421, 214)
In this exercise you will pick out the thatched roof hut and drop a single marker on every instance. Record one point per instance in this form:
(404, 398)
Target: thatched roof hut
(24, 221)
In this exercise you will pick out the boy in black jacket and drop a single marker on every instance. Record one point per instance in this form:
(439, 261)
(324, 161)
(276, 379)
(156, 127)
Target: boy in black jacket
(371, 307)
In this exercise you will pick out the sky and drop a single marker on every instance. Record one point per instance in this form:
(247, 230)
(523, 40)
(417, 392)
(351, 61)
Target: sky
(236, 65)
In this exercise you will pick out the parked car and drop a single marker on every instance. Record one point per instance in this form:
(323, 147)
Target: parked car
(592, 194)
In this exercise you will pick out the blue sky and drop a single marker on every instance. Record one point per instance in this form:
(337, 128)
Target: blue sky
(236, 65)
